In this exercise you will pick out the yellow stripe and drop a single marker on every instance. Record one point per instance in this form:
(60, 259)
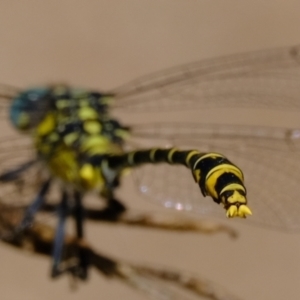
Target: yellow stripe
(130, 158)
(86, 113)
(233, 186)
(47, 125)
(152, 153)
(122, 133)
(92, 127)
(70, 138)
(94, 141)
(170, 154)
(226, 167)
(53, 137)
(84, 102)
(63, 103)
(106, 100)
(212, 154)
(210, 183)
(197, 174)
(190, 155)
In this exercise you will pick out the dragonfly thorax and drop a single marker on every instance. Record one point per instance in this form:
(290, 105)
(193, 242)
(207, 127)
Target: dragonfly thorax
(76, 132)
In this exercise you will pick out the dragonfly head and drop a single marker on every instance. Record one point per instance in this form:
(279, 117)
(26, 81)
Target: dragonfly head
(29, 108)
(235, 203)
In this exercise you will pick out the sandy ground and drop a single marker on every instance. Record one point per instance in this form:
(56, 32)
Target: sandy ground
(102, 44)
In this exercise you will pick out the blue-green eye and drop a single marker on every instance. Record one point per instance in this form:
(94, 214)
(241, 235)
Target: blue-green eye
(25, 108)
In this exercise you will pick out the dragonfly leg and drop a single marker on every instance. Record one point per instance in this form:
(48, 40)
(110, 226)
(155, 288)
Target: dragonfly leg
(78, 265)
(34, 206)
(78, 214)
(111, 213)
(13, 174)
(63, 211)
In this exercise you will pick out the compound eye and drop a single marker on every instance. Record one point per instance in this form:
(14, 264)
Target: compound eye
(26, 107)
(33, 97)
(35, 94)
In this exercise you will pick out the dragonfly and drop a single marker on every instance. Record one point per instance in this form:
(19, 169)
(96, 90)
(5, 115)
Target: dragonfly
(65, 123)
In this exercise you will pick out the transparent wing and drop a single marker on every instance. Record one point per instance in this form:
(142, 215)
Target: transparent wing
(7, 92)
(254, 79)
(15, 152)
(19, 189)
(268, 157)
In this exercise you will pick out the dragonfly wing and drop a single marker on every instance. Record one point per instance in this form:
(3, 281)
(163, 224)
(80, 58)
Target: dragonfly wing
(16, 151)
(21, 178)
(253, 79)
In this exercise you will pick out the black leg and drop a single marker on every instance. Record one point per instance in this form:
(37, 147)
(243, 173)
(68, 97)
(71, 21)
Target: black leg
(59, 236)
(111, 212)
(13, 174)
(35, 206)
(79, 214)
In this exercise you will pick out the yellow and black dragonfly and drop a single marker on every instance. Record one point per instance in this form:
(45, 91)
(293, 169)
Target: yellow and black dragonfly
(69, 143)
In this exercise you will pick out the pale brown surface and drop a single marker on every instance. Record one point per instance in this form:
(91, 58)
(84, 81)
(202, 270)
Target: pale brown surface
(102, 44)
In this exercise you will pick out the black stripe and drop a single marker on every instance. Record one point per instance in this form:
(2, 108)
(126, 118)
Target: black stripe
(205, 165)
(14, 174)
(143, 156)
(208, 163)
(161, 155)
(225, 179)
(179, 157)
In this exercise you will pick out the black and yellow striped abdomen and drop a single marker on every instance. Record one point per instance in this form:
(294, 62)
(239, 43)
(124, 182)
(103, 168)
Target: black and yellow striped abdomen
(215, 174)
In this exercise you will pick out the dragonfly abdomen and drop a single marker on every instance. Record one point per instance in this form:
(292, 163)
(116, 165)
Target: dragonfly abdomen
(214, 173)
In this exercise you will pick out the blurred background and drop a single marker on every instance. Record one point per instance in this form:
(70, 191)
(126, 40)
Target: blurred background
(103, 44)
